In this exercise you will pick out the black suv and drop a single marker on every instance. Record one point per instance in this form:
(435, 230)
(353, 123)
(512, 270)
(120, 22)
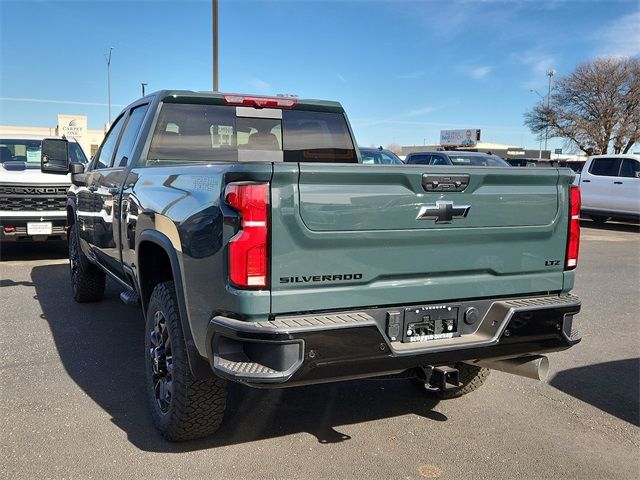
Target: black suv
(473, 159)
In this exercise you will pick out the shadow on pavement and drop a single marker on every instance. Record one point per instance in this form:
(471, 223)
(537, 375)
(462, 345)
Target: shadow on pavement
(613, 387)
(33, 250)
(101, 348)
(610, 226)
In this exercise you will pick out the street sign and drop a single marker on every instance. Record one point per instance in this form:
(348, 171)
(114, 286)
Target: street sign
(558, 151)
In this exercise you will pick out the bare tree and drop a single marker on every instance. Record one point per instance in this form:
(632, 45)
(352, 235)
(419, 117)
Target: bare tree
(596, 107)
(395, 148)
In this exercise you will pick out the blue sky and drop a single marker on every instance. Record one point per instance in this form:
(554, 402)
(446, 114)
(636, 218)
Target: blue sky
(403, 70)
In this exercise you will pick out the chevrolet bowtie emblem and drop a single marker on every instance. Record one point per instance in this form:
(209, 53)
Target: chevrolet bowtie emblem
(443, 212)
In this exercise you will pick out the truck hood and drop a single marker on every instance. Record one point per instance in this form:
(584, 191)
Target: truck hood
(32, 176)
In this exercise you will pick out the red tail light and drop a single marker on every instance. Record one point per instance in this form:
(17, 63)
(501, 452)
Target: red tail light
(258, 101)
(573, 242)
(249, 250)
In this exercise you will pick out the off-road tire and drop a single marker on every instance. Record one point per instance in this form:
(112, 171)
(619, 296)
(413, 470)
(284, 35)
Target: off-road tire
(87, 280)
(196, 407)
(599, 219)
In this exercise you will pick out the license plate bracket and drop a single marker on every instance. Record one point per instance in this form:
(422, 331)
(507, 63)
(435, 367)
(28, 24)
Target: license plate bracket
(430, 323)
(39, 228)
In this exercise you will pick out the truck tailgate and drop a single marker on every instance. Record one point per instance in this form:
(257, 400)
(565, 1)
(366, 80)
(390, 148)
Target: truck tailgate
(348, 236)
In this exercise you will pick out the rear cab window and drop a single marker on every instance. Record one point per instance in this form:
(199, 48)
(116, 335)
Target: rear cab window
(477, 160)
(419, 159)
(190, 132)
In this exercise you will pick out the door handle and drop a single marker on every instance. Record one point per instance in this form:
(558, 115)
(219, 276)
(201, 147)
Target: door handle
(92, 188)
(617, 183)
(586, 181)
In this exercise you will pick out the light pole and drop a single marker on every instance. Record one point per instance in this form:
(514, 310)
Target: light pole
(214, 9)
(533, 90)
(550, 73)
(108, 59)
(142, 84)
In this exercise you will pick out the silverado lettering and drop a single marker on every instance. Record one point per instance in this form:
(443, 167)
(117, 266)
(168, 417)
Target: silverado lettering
(322, 278)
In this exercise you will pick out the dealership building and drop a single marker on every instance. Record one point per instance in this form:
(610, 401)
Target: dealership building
(71, 126)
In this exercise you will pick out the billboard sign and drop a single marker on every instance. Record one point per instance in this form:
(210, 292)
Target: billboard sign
(469, 137)
(74, 126)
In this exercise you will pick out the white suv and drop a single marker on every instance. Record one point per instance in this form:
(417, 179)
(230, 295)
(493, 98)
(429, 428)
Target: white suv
(610, 187)
(32, 204)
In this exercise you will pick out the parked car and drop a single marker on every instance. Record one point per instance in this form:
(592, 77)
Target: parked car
(379, 156)
(263, 252)
(610, 186)
(575, 165)
(532, 162)
(468, 159)
(32, 204)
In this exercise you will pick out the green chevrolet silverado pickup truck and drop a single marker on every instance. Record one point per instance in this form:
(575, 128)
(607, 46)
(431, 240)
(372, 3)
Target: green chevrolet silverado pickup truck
(263, 251)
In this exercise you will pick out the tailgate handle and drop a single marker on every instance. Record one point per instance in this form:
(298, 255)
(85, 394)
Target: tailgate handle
(445, 183)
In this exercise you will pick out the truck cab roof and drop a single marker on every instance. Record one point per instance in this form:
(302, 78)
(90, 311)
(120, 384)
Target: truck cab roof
(222, 98)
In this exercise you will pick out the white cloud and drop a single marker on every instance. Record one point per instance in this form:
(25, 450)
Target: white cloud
(480, 72)
(539, 63)
(621, 38)
(341, 78)
(260, 86)
(417, 112)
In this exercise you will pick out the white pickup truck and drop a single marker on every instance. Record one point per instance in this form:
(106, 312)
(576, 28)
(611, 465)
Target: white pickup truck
(33, 205)
(610, 186)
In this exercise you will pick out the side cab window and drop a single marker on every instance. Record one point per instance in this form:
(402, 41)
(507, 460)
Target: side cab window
(105, 153)
(129, 136)
(605, 167)
(630, 168)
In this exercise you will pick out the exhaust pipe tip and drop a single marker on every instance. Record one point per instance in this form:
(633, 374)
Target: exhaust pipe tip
(532, 366)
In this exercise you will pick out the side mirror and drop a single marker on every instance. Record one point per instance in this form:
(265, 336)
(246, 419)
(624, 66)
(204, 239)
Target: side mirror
(55, 156)
(637, 174)
(76, 168)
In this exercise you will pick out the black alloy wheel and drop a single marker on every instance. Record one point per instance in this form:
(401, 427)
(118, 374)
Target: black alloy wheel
(161, 361)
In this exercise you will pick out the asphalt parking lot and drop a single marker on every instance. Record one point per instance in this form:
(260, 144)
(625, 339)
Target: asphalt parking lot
(72, 405)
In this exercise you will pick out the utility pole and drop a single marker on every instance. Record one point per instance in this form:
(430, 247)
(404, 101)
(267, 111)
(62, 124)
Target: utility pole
(533, 90)
(214, 8)
(142, 84)
(108, 59)
(550, 73)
